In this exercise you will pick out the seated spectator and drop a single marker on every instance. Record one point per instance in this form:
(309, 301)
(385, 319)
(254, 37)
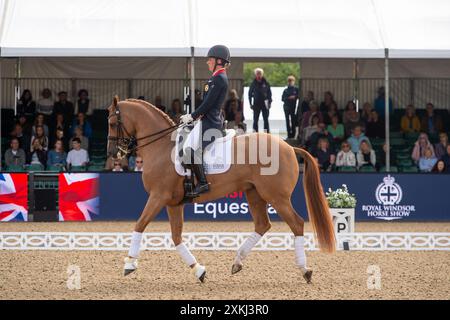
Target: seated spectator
(158, 104)
(307, 119)
(83, 102)
(439, 148)
(446, 159)
(336, 129)
(410, 122)
(24, 139)
(59, 135)
(139, 164)
(40, 121)
(320, 133)
(380, 103)
(15, 155)
(365, 114)
(26, 105)
(77, 156)
(328, 100)
(351, 118)
(366, 155)
(64, 106)
(78, 134)
(324, 155)
(43, 139)
(427, 162)
(26, 125)
(431, 123)
(109, 165)
(57, 156)
(38, 154)
(304, 106)
(117, 167)
(45, 104)
(176, 110)
(332, 111)
(237, 124)
(356, 138)
(345, 157)
(420, 146)
(310, 129)
(81, 121)
(232, 106)
(439, 167)
(375, 126)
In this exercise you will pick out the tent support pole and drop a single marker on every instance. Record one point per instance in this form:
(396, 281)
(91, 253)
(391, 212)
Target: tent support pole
(17, 84)
(355, 84)
(192, 85)
(386, 106)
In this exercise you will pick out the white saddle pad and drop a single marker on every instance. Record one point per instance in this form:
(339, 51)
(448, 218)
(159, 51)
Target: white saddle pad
(216, 157)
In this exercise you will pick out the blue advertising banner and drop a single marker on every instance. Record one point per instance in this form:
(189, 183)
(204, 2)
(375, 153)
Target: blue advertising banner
(403, 197)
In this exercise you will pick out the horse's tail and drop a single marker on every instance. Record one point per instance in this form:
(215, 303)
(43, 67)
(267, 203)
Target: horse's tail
(316, 203)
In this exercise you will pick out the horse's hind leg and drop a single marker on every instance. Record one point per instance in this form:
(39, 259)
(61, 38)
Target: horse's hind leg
(176, 225)
(258, 210)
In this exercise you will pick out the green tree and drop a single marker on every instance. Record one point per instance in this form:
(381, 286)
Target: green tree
(275, 72)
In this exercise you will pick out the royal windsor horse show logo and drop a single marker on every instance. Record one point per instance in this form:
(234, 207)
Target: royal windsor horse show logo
(388, 194)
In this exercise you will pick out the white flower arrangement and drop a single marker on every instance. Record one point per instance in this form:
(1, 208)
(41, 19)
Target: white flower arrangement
(340, 198)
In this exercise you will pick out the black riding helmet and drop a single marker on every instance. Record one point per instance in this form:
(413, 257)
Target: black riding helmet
(219, 52)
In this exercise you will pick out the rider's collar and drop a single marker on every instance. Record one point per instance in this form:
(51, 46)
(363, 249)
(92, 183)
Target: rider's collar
(219, 71)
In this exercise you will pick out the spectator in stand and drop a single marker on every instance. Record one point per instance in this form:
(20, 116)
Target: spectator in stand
(64, 106)
(420, 146)
(431, 123)
(356, 138)
(319, 134)
(328, 100)
(439, 167)
(15, 155)
(366, 155)
(57, 156)
(366, 111)
(117, 167)
(446, 159)
(176, 110)
(45, 104)
(26, 105)
(26, 125)
(83, 102)
(345, 157)
(380, 103)
(325, 155)
(59, 124)
(332, 111)
(289, 98)
(351, 117)
(427, 162)
(232, 106)
(40, 121)
(24, 139)
(109, 165)
(439, 148)
(375, 126)
(260, 97)
(139, 167)
(81, 121)
(304, 106)
(78, 134)
(38, 154)
(410, 122)
(237, 124)
(336, 129)
(40, 135)
(159, 105)
(308, 116)
(310, 129)
(77, 156)
(60, 135)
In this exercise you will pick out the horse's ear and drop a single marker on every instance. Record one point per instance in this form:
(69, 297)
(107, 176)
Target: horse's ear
(115, 101)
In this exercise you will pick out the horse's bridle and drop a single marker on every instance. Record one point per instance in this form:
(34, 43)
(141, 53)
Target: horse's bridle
(127, 144)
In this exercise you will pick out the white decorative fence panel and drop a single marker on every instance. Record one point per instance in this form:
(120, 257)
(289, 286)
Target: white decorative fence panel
(217, 241)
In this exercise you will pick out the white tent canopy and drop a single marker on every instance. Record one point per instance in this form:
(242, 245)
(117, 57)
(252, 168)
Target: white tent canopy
(253, 28)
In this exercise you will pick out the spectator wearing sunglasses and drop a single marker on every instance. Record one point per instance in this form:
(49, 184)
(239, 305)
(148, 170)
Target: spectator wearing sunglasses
(139, 167)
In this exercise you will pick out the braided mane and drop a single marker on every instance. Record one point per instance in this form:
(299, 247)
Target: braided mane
(152, 107)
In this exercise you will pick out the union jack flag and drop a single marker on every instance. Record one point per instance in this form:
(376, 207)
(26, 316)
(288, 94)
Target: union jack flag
(78, 196)
(13, 197)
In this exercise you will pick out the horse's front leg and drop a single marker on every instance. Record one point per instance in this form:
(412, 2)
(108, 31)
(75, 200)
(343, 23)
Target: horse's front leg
(154, 205)
(176, 225)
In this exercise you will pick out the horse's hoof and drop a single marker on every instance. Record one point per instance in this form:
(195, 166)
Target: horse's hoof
(128, 271)
(236, 268)
(307, 276)
(202, 277)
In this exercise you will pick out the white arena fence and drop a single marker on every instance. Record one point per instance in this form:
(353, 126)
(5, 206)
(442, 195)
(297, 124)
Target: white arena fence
(94, 241)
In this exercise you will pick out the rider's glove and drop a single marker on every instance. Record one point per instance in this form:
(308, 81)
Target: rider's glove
(186, 118)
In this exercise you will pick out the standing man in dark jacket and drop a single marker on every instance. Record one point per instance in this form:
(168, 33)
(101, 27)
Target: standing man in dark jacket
(209, 111)
(289, 98)
(260, 97)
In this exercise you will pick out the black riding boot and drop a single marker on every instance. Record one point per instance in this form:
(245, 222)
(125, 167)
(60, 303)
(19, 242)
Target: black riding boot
(202, 185)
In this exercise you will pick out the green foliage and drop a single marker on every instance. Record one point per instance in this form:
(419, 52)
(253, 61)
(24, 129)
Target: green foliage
(275, 72)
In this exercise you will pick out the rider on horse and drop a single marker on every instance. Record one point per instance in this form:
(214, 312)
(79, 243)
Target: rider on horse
(209, 111)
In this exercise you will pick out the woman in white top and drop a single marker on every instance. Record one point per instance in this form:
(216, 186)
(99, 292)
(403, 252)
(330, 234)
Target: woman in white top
(366, 155)
(45, 104)
(345, 157)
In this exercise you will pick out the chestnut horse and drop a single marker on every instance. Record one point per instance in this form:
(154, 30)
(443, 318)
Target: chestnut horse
(139, 120)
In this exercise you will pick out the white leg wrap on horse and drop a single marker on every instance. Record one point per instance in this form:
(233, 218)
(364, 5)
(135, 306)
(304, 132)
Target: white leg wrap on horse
(300, 256)
(247, 246)
(186, 254)
(135, 244)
